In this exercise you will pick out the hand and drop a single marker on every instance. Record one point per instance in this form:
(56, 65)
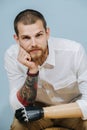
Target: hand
(30, 113)
(25, 59)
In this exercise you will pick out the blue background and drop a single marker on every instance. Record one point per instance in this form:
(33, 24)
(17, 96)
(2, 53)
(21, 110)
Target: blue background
(66, 18)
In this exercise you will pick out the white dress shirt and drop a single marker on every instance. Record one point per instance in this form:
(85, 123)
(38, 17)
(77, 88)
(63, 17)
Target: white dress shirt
(62, 77)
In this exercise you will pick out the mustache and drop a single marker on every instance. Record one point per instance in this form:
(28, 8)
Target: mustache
(34, 48)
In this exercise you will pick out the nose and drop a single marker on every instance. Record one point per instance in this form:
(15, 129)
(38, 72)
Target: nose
(33, 42)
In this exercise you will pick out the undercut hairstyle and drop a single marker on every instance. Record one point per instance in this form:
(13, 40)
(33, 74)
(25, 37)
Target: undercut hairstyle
(28, 17)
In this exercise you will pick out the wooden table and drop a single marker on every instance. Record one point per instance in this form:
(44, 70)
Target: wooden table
(56, 128)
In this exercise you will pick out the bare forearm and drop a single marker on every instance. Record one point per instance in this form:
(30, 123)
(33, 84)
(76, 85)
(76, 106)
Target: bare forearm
(28, 91)
(70, 110)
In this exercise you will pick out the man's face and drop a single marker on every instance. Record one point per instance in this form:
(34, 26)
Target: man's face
(33, 38)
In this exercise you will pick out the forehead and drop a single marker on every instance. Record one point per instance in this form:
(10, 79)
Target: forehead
(31, 28)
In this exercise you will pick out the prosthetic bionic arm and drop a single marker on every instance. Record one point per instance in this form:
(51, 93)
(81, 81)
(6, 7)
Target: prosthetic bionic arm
(33, 113)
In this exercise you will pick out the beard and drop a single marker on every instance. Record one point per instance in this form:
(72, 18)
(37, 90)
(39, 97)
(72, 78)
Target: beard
(39, 56)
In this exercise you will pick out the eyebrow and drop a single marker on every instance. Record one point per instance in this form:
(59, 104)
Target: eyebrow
(40, 32)
(30, 36)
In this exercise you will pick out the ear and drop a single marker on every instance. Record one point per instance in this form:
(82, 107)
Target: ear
(48, 32)
(16, 38)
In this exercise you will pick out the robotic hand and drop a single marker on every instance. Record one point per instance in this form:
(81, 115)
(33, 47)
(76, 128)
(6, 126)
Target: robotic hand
(30, 113)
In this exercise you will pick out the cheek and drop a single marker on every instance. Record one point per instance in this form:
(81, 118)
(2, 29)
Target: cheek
(25, 46)
(45, 45)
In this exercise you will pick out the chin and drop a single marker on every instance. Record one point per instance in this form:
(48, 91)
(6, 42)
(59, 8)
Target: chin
(37, 59)
(34, 58)
(37, 56)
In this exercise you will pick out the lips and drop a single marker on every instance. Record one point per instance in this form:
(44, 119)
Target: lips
(35, 50)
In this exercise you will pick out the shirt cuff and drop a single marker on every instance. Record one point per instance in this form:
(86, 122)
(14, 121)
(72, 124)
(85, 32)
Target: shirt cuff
(83, 106)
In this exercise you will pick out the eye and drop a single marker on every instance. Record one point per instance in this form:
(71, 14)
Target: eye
(39, 35)
(26, 37)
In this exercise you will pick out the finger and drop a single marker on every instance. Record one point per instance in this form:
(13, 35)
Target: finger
(18, 112)
(21, 119)
(25, 114)
(26, 120)
(27, 57)
(23, 56)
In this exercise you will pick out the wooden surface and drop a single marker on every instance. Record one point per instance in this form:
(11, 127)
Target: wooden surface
(56, 128)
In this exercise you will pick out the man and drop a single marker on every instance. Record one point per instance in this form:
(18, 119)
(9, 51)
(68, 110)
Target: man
(47, 77)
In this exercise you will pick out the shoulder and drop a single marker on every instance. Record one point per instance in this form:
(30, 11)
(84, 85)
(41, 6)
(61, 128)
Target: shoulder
(10, 60)
(64, 44)
(12, 51)
(10, 57)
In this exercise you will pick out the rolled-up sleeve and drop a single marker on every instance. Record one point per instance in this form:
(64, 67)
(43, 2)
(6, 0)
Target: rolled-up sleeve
(16, 79)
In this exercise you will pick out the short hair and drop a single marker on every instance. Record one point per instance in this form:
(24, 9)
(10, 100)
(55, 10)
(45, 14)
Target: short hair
(28, 16)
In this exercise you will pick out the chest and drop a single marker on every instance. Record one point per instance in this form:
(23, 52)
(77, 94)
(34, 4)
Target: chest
(57, 86)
